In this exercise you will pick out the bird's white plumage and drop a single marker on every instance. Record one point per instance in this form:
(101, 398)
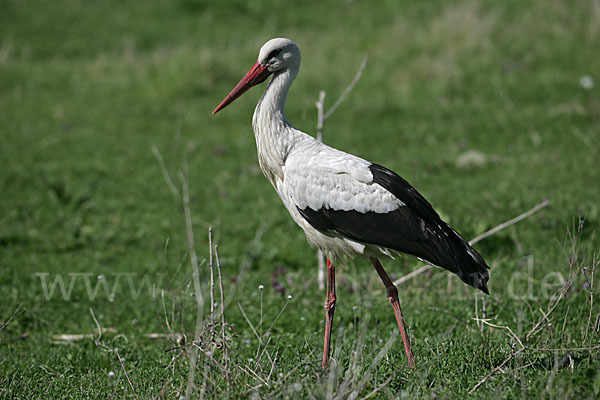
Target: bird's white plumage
(331, 179)
(305, 172)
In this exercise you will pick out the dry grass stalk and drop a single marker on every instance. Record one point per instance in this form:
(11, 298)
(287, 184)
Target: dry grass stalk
(165, 173)
(212, 278)
(19, 310)
(590, 284)
(125, 371)
(510, 331)
(510, 222)
(196, 280)
(495, 370)
(222, 307)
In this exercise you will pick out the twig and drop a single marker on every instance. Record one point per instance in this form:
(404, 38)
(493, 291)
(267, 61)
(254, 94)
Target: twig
(498, 368)
(590, 282)
(22, 336)
(210, 356)
(279, 314)
(512, 334)
(170, 336)
(165, 172)
(212, 279)
(480, 326)
(14, 315)
(46, 370)
(72, 337)
(412, 274)
(164, 307)
(378, 388)
(124, 370)
(566, 348)
(225, 357)
(509, 222)
(97, 340)
(430, 349)
(252, 373)
(483, 314)
(259, 337)
(196, 279)
(321, 270)
(320, 104)
(348, 89)
(479, 238)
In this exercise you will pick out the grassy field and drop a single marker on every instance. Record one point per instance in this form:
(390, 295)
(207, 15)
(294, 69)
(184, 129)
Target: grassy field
(487, 108)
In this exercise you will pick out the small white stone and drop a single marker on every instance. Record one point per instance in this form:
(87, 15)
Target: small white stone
(586, 82)
(111, 374)
(471, 159)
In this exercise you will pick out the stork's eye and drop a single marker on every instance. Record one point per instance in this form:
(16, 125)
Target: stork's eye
(273, 53)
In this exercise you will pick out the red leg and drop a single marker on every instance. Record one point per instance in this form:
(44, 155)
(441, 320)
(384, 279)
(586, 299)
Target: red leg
(392, 293)
(329, 309)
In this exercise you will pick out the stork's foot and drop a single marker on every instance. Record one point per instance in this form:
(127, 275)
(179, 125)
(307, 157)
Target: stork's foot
(392, 293)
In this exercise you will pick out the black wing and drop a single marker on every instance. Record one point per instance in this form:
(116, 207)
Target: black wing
(413, 229)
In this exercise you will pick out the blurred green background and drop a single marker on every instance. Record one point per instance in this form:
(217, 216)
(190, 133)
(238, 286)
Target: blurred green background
(486, 107)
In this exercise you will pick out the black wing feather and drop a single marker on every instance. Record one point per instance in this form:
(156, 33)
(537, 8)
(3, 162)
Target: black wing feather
(413, 229)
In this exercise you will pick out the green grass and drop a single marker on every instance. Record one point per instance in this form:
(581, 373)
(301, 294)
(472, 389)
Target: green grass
(88, 88)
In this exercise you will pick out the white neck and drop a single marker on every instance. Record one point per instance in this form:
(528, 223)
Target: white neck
(273, 133)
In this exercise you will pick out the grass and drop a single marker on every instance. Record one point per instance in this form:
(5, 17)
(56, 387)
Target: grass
(88, 89)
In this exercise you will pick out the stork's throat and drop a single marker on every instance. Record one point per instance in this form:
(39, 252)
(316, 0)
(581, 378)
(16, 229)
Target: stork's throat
(273, 133)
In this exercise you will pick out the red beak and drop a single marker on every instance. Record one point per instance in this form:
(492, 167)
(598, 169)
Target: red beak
(257, 74)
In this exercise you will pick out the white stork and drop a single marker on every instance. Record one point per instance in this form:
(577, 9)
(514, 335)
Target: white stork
(344, 204)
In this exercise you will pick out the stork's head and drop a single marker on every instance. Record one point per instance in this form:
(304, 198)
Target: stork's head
(277, 54)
